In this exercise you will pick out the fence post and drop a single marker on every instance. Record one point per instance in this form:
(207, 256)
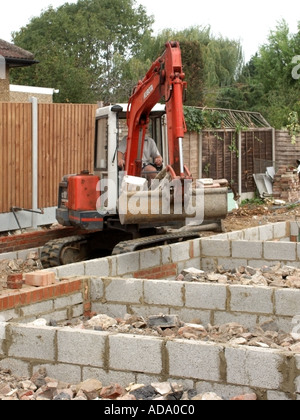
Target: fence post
(274, 145)
(34, 103)
(200, 142)
(240, 181)
(2, 67)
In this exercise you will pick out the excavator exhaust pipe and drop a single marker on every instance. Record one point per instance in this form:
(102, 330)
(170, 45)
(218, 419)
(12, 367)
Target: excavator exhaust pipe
(138, 205)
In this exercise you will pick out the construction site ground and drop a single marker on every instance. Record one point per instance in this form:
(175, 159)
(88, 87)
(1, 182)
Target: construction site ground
(253, 215)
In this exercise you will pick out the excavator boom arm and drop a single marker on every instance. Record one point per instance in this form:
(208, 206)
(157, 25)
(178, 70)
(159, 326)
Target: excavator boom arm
(165, 79)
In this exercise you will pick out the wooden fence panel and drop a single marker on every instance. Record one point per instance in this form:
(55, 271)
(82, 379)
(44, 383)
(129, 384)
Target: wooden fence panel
(256, 156)
(66, 145)
(15, 156)
(220, 155)
(191, 153)
(286, 152)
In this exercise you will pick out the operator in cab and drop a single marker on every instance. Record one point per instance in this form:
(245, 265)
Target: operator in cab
(152, 160)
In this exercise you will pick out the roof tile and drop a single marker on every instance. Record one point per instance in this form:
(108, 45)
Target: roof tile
(8, 50)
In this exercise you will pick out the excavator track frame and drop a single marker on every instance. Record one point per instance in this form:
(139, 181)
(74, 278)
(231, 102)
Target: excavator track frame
(153, 241)
(74, 249)
(57, 252)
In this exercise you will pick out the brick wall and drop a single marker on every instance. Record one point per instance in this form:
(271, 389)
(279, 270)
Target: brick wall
(32, 239)
(60, 302)
(25, 97)
(286, 185)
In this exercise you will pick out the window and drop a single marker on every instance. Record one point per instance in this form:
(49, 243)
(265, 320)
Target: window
(101, 144)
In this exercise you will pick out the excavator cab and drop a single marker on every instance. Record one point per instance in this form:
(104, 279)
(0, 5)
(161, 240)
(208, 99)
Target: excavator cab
(86, 200)
(89, 201)
(111, 128)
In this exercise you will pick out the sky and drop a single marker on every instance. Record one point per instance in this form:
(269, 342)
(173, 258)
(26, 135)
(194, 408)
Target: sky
(249, 22)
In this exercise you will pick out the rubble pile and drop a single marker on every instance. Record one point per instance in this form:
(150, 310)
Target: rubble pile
(275, 276)
(41, 387)
(31, 263)
(266, 335)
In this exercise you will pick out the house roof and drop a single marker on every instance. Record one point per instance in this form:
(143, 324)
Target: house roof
(16, 56)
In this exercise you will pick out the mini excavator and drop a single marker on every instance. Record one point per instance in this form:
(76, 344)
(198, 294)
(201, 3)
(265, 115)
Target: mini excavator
(119, 211)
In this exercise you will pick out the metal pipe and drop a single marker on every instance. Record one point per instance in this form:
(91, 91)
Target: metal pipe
(199, 228)
(17, 220)
(180, 139)
(15, 209)
(39, 211)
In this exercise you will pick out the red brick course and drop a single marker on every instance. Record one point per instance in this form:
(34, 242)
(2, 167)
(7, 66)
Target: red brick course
(33, 239)
(15, 281)
(156, 273)
(12, 300)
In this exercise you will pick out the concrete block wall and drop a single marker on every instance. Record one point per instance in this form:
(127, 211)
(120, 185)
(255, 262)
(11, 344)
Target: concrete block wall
(20, 255)
(209, 303)
(264, 245)
(75, 355)
(196, 302)
(120, 284)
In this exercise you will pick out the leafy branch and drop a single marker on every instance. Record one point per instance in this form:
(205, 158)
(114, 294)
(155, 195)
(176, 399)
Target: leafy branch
(201, 119)
(293, 126)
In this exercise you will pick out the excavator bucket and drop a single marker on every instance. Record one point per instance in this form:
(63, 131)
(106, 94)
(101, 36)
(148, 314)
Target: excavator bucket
(168, 202)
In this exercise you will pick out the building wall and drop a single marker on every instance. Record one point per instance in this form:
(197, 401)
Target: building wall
(25, 97)
(4, 90)
(20, 97)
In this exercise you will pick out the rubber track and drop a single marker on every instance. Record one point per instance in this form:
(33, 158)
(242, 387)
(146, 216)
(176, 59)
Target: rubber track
(155, 240)
(52, 250)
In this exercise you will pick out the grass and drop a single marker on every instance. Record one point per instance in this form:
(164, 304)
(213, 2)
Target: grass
(252, 202)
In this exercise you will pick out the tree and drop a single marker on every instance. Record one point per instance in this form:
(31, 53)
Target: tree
(274, 66)
(192, 56)
(82, 47)
(266, 83)
(209, 63)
